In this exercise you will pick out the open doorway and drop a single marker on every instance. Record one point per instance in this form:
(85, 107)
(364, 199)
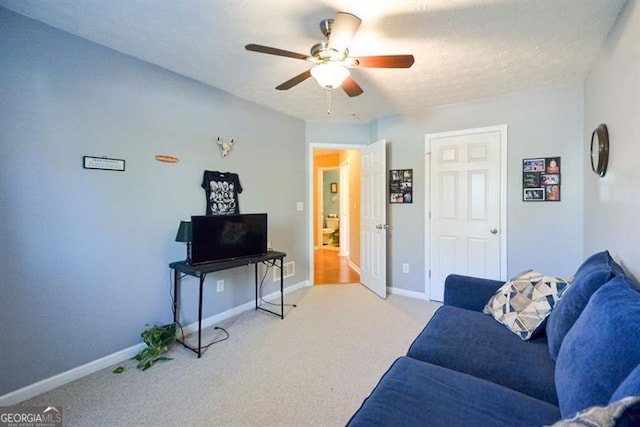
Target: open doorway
(335, 214)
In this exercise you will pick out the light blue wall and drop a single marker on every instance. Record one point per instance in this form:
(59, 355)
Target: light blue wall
(612, 96)
(85, 253)
(541, 123)
(337, 133)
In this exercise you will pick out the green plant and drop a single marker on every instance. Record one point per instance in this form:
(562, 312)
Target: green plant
(157, 338)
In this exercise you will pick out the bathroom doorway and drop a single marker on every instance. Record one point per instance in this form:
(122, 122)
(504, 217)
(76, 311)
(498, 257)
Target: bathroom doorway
(335, 201)
(330, 189)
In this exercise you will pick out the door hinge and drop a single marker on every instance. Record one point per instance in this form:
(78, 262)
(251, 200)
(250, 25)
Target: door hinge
(429, 273)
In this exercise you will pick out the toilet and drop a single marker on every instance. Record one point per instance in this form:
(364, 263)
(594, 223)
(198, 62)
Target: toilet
(333, 224)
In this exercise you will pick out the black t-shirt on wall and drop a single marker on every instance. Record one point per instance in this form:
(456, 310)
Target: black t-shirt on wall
(221, 189)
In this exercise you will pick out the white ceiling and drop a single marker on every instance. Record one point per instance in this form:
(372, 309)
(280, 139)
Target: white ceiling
(464, 49)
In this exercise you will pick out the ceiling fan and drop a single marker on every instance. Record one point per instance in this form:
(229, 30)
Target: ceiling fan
(331, 57)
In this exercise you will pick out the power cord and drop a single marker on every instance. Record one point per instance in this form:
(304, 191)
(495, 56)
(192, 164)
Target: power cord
(268, 265)
(173, 301)
(207, 345)
(216, 341)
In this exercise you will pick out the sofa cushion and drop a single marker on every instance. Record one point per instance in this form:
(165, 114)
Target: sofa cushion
(414, 393)
(524, 302)
(474, 343)
(469, 292)
(601, 349)
(629, 387)
(593, 273)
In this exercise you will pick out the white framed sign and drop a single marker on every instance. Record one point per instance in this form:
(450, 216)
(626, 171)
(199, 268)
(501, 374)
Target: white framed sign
(103, 163)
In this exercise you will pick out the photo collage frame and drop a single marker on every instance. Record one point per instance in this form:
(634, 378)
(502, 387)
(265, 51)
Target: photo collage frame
(541, 179)
(401, 186)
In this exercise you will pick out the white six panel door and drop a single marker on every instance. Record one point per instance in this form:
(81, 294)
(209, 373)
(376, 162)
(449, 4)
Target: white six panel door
(373, 255)
(465, 206)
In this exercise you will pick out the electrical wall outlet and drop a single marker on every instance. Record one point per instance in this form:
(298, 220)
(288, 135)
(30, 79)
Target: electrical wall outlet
(405, 268)
(220, 286)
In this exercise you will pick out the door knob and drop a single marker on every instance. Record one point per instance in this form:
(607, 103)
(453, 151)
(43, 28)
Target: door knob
(494, 231)
(382, 226)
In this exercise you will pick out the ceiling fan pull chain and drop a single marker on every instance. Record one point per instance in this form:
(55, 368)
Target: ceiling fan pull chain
(328, 101)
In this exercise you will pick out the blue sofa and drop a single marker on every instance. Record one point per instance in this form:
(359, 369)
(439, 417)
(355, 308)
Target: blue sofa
(466, 369)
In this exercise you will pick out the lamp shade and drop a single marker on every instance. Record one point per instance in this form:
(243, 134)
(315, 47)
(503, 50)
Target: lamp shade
(184, 232)
(329, 75)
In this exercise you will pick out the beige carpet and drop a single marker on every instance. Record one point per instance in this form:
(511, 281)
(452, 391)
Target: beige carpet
(313, 368)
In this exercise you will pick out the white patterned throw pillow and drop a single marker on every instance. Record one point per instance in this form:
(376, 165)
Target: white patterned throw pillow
(622, 412)
(524, 302)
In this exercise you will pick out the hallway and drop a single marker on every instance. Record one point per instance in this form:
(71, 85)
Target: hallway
(330, 269)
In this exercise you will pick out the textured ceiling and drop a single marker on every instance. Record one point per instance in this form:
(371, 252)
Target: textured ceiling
(464, 49)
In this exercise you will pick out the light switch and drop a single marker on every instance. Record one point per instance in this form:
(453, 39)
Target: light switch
(299, 206)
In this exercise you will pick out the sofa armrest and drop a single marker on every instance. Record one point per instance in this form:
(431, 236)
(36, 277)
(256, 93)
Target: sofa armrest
(471, 293)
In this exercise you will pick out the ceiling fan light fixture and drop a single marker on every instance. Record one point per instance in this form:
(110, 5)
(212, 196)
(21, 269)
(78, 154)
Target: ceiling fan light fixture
(330, 75)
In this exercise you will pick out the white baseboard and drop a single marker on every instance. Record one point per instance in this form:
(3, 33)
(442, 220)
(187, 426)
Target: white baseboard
(353, 266)
(63, 378)
(405, 293)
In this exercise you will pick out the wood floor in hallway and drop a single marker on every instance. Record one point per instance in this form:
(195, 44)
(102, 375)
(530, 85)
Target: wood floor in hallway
(331, 269)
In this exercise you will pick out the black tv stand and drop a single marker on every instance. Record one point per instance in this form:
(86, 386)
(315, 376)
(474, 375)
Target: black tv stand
(181, 268)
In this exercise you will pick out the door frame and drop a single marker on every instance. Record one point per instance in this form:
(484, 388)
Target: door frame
(310, 205)
(503, 196)
(345, 205)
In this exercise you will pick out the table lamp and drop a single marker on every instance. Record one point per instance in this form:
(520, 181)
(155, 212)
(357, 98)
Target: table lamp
(184, 235)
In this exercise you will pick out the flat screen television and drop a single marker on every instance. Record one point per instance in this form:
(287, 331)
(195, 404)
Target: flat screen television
(223, 237)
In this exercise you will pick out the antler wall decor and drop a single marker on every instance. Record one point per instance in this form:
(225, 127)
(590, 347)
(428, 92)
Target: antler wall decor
(225, 147)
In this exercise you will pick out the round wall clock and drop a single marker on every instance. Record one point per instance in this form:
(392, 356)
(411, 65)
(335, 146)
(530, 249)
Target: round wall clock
(600, 150)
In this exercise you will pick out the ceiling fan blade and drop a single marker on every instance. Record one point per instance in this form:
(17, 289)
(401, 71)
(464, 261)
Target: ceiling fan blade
(295, 80)
(273, 51)
(343, 29)
(385, 61)
(351, 87)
